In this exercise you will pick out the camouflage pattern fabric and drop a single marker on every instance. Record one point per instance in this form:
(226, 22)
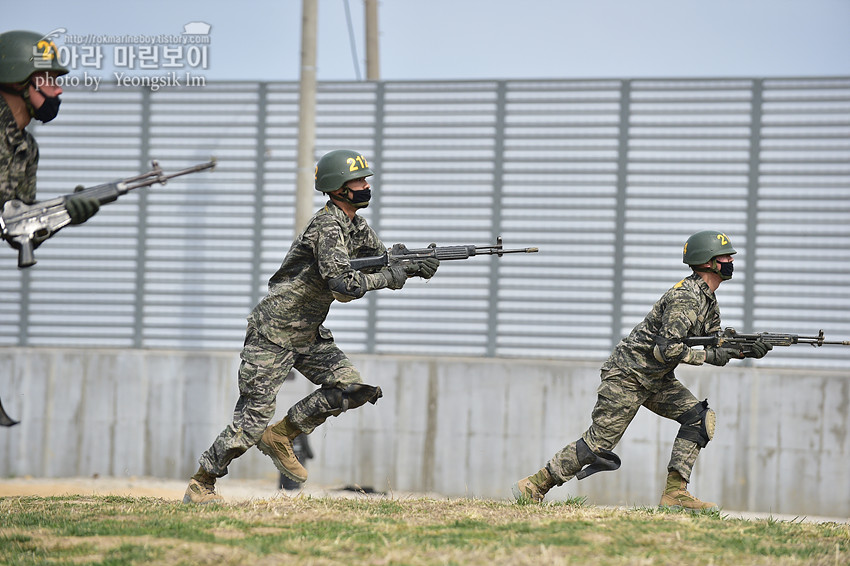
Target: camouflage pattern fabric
(285, 332)
(299, 299)
(618, 399)
(264, 367)
(18, 159)
(640, 373)
(655, 347)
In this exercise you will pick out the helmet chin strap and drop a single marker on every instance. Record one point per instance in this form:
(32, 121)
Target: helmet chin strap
(714, 267)
(345, 196)
(23, 92)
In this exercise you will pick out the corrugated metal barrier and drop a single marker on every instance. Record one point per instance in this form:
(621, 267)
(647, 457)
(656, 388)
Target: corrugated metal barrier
(607, 177)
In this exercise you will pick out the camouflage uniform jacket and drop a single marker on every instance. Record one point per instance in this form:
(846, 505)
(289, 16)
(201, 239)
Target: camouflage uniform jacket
(655, 346)
(18, 159)
(299, 296)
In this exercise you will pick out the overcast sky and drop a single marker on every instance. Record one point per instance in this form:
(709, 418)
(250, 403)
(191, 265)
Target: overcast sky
(479, 39)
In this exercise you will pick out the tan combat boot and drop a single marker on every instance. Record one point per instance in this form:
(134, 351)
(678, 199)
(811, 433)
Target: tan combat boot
(201, 489)
(276, 443)
(676, 495)
(533, 488)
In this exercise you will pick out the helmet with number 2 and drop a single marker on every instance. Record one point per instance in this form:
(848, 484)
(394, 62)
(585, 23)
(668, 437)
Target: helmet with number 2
(23, 53)
(704, 246)
(337, 167)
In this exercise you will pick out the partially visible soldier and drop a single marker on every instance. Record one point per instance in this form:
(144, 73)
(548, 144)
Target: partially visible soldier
(285, 329)
(640, 372)
(28, 89)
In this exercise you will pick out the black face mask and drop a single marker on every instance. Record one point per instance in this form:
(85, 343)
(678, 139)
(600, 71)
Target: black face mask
(48, 110)
(361, 197)
(357, 199)
(726, 270)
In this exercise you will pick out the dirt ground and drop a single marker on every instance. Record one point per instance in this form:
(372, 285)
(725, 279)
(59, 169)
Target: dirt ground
(235, 490)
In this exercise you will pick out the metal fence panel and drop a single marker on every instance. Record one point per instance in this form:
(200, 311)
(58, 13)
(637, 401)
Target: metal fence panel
(607, 177)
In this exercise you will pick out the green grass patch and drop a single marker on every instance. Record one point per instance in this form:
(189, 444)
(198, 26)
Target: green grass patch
(366, 530)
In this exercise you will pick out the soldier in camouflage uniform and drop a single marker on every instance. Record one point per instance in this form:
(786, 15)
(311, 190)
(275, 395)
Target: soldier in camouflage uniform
(285, 329)
(640, 372)
(28, 89)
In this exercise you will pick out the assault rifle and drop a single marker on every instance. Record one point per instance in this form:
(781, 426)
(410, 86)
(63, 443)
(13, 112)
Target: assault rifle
(399, 255)
(26, 226)
(730, 338)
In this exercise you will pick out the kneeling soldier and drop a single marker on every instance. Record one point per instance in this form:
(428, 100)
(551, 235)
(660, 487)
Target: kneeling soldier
(640, 373)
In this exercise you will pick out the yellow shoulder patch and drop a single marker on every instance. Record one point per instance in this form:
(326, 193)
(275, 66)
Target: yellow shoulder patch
(679, 284)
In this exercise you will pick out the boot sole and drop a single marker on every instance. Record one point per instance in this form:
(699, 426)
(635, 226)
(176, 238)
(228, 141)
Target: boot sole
(266, 449)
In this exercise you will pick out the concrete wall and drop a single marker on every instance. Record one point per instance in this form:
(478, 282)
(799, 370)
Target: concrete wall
(453, 426)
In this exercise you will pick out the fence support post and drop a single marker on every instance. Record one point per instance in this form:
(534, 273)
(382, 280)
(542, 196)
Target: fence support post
(142, 232)
(620, 219)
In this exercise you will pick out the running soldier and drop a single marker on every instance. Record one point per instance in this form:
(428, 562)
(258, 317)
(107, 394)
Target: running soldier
(29, 69)
(285, 329)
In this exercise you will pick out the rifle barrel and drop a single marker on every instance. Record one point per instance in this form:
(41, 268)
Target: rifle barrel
(155, 175)
(498, 250)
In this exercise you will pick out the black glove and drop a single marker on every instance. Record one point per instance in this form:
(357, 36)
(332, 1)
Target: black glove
(428, 267)
(395, 275)
(80, 207)
(758, 349)
(720, 356)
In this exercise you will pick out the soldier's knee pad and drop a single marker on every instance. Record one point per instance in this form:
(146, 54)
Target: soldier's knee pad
(698, 424)
(600, 461)
(351, 396)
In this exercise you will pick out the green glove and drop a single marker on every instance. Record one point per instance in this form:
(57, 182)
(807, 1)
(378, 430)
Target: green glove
(720, 356)
(81, 207)
(758, 349)
(395, 275)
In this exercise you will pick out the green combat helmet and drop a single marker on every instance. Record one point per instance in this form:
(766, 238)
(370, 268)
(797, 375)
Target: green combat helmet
(703, 247)
(337, 167)
(23, 53)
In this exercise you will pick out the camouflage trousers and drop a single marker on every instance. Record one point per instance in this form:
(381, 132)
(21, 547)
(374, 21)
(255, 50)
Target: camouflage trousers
(618, 399)
(264, 367)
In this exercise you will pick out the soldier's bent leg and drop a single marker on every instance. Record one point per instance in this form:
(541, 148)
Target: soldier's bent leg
(697, 424)
(618, 399)
(697, 429)
(342, 388)
(261, 373)
(330, 401)
(306, 415)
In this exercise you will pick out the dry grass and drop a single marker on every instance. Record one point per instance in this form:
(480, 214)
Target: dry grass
(111, 530)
